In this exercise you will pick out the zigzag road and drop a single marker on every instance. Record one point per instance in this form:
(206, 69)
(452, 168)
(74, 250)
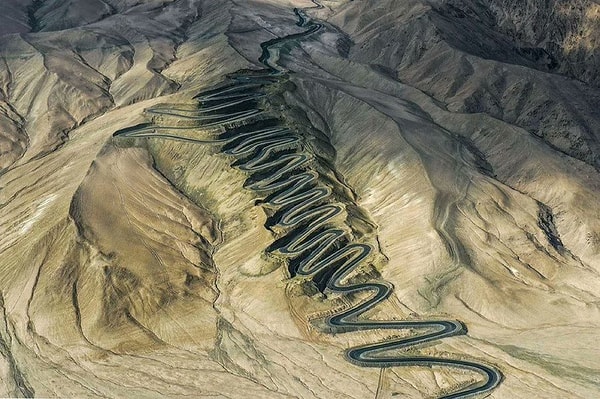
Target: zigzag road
(317, 244)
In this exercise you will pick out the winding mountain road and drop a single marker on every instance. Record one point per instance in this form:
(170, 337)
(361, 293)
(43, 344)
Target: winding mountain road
(321, 246)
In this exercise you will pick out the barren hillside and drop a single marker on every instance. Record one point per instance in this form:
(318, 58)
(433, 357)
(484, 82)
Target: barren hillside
(216, 198)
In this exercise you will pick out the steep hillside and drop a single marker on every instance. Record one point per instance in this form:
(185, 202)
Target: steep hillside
(456, 143)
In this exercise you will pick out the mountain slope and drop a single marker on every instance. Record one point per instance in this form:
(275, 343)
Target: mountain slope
(461, 138)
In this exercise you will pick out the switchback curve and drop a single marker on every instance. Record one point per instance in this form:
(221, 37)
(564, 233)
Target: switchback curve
(319, 246)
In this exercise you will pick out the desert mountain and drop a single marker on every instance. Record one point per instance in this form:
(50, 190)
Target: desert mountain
(146, 252)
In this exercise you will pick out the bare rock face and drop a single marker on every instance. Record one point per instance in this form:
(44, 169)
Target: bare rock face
(549, 35)
(566, 34)
(87, 64)
(459, 139)
(14, 18)
(13, 139)
(472, 57)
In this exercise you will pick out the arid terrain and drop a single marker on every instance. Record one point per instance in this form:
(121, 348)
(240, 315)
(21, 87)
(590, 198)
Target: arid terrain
(298, 199)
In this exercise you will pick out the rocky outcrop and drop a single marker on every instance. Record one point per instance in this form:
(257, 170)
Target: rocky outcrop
(465, 54)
